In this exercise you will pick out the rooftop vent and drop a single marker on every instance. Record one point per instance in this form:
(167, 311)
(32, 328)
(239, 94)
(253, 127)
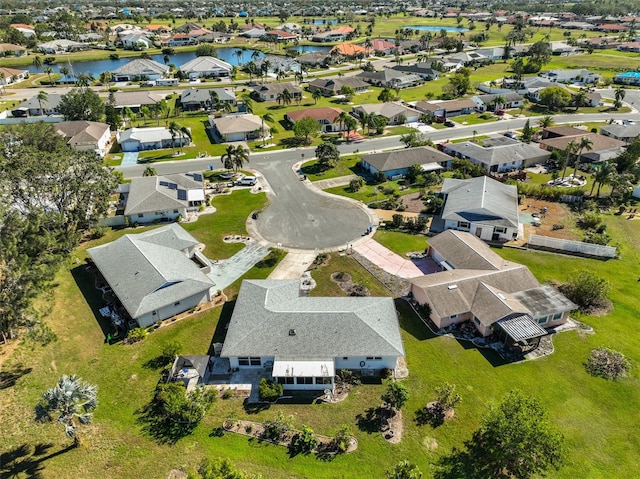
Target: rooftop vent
(453, 286)
(292, 332)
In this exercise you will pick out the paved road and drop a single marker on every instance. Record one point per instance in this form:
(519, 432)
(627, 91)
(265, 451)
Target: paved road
(299, 217)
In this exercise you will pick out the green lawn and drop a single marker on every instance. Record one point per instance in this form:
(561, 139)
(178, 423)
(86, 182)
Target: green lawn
(399, 242)
(337, 263)
(368, 193)
(348, 165)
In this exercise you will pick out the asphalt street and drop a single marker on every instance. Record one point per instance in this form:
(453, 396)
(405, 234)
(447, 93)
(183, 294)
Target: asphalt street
(300, 217)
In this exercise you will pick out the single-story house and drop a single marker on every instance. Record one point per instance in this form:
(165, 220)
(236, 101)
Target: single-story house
(12, 75)
(349, 50)
(304, 340)
(603, 147)
(62, 45)
(389, 78)
(199, 98)
(469, 58)
(336, 35)
(379, 45)
(155, 138)
(154, 274)
(238, 127)
(482, 206)
(162, 198)
(279, 36)
(332, 86)
(157, 29)
(579, 76)
(7, 49)
(627, 78)
(179, 40)
(497, 155)
(500, 298)
(327, 117)
(135, 41)
(135, 100)
(421, 69)
(271, 91)
(626, 133)
(276, 63)
(140, 69)
(33, 106)
(314, 59)
(487, 102)
(564, 49)
(396, 163)
(395, 112)
(85, 135)
(206, 67)
(447, 108)
(253, 33)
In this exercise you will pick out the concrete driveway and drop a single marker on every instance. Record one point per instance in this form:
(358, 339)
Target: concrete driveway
(393, 263)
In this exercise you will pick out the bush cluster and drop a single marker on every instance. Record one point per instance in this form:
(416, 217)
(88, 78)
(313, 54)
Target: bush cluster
(607, 363)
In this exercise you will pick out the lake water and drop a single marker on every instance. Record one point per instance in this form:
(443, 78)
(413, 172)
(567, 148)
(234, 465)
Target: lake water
(437, 29)
(96, 67)
(324, 22)
(310, 48)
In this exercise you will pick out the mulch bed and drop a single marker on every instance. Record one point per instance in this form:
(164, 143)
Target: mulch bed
(391, 425)
(348, 286)
(256, 431)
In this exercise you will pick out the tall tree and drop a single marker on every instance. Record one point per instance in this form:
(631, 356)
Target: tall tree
(48, 70)
(37, 62)
(42, 97)
(602, 176)
(81, 104)
(174, 130)
(619, 94)
(266, 117)
(72, 400)
(585, 144)
(316, 95)
(571, 149)
(240, 157)
(327, 154)
(306, 128)
(404, 470)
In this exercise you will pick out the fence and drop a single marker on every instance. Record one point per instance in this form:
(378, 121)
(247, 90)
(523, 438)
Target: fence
(571, 247)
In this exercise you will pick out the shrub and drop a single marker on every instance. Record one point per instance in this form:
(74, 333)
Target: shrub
(342, 438)
(277, 427)
(269, 390)
(355, 184)
(590, 220)
(271, 259)
(98, 232)
(348, 377)
(396, 395)
(588, 291)
(136, 334)
(447, 397)
(379, 177)
(607, 363)
(305, 441)
(228, 394)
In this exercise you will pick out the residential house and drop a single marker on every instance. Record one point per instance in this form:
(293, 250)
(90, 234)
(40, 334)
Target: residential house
(349, 50)
(497, 155)
(134, 100)
(578, 76)
(238, 127)
(191, 371)
(162, 198)
(85, 135)
(327, 118)
(201, 98)
(90, 37)
(157, 29)
(384, 47)
(179, 40)
(389, 78)
(633, 47)
(155, 138)
(8, 49)
(624, 132)
(396, 163)
(27, 30)
(156, 274)
(488, 102)
(314, 59)
(272, 91)
(564, 49)
(62, 45)
(206, 67)
(395, 112)
(140, 69)
(627, 78)
(304, 340)
(423, 70)
(35, 107)
(469, 58)
(253, 33)
(278, 63)
(338, 34)
(447, 108)
(333, 86)
(603, 147)
(12, 75)
(482, 206)
(279, 36)
(500, 298)
(136, 41)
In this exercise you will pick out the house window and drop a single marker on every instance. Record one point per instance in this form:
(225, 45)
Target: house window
(369, 358)
(499, 229)
(556, 317)
(154, 313)
(323, 380)
(285, 380)
(255, 361)
(476, 320)
(304, 380)
(177, 303)
(453, 316)
(378, 358)
(175, 212)
(243, 361)
(345, 358)
(140, 215)
(542, 320)
(464, 224)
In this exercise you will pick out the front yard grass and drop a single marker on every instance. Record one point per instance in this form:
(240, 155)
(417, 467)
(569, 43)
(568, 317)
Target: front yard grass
(400, 242)
(369, 193)
(348, 165)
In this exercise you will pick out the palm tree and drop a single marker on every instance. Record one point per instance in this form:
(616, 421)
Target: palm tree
(129, 115)
(37, 62)
(238, 54)
(266, 117)
(265, 66)
(498, 102)
(65, 72)
(3, 77)
(160, 108)
(106, 77)
(619, 94)
(602, 176)
(48, 70)
(255, 55)
(149, 171)
(570, 149)
(42, 97)
(70, 400)
(364, 120)
(350, 123)
(240, 157)
(316, 95)
(585, 143)
(184, 133)
(545, 121)
(251, 69)
(174, 129)
(342, 117)
(285, 97)
(214, 99)
(227, 158)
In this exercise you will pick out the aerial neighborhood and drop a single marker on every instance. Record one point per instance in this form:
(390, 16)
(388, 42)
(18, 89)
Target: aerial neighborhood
(309, 240)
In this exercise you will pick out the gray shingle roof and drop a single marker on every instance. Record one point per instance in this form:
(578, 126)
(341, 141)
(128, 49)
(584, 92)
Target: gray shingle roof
(51, 103)
(481, 199)
(499, 154)
(205, 64)
(154, 193)
(266, 311)
(141, 67)
(202, 95)
(398, 159)
(463, 250)
(150, 270)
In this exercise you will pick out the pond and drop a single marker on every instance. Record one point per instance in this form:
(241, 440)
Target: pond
(437, 29)
(310, 48)
(96, 67)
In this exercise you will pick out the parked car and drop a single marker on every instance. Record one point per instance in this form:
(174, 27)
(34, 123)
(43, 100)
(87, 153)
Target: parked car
(449, 123)
(247, 181)
(510, 134)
